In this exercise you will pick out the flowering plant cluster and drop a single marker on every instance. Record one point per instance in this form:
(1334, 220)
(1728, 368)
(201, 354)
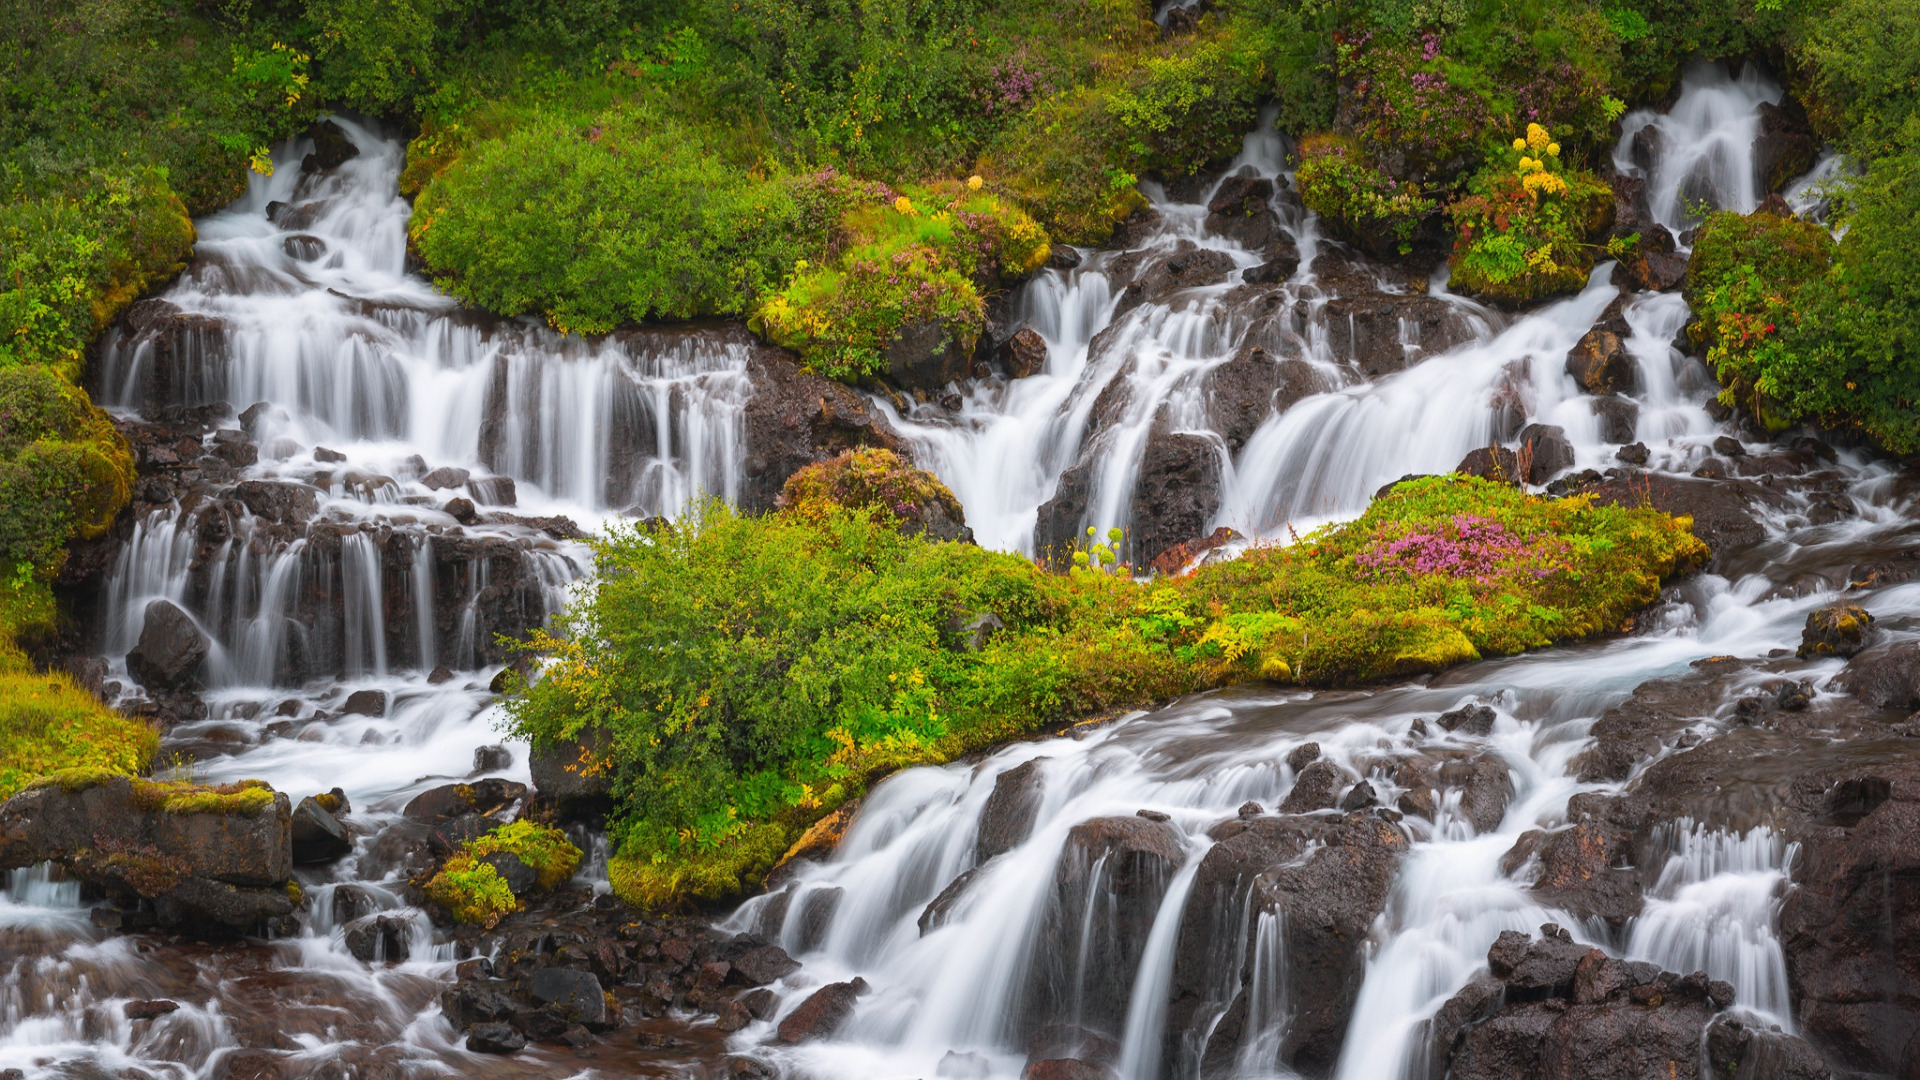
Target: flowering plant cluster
(1522, 228)
(1465, 546)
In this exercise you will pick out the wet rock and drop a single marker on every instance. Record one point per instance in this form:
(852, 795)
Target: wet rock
(1057, 524)
(351, 902)
(1635, 454)
(491, 758)
(1176, 495)
(1884, 676)
(1172, 560)
(1737, 1047)
(365, 703)
(1303, 755)
(212, 871)
(462, 510)
(302, 247)
(927, 355)
(1601, 364)
(449, 836)
(1470, 719)
(763, 965)
(382, 938)
(1618, 418)
(1011, 809)
(1107, 889)
(574, 776)
(468, 1003)
(1239, 211)
(519, 877)
(793, 420)
(1586, 869)
(1485, 785)
(170, 650)
(493, 491)
(1066, 1069)
(495, 1037)
(937, 911)
(1026, 353)
(1159, 274)
(1381, 333)
(822, 1014)
(1785, 146)
(1282, 264)
(1243, 392)
(1313, 789)
(317, 836)
(1723, 513)
(1835, 630)
(1057, 1041)
(326, 456)
(445, 477)
(1491, 463)
(278, 501)
(150, 1010)
(488, 796)
(575, 996)
(1546, 451)
(331, 148)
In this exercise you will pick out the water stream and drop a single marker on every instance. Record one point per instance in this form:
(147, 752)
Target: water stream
(299, 298)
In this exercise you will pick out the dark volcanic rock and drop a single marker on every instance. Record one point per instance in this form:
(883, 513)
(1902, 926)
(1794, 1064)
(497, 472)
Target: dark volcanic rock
(1601, 364)
(1025, 353)
(1381, 333)
(317, 836)
(494, 1037)
(1313, 789)
(331, 148)
(1176, 495)
(794, 420)
(576, 996)
(1786, 146)
(1011, 809)
(1835, 630)
(1243, 392)
(1158, 274)
(170, 649)
(1546, 451)
(574, 776)
(379, 939)
(821, 1015)
(928, 355)
(1491, 463)
(487, 796)
(1619, 417)
(1884, 677)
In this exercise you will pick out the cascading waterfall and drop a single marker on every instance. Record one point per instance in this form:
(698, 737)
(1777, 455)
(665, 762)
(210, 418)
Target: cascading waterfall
(1699, 155)
(951, 934)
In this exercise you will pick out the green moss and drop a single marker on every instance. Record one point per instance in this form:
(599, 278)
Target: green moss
(546, 850)
(48, 725)
(876, 480)
(749, 675)
(472, 892)
(244, 798)
(1360, 200)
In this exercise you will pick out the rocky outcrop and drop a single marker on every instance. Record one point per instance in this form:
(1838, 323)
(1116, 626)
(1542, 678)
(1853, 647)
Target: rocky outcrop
(197, 859)
(1012, 807)
(1240, 210)
(1550, 1007)
(1176, 495)
(1252, 386)
(1157, 273)
(1786, 146)
(1107, 889)
(1381, 333)
(1255, 877)
(575, 777)
(795, 419)
(170, 650)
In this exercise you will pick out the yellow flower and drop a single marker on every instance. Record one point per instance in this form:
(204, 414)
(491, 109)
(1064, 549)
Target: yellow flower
(1553, 149)
(802, 265)
(1519, 144)
(1528, 165)
(974, 182)
(1537, 137)
(903, 204)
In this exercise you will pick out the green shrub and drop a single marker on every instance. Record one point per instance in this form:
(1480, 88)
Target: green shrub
(752, 674)
(1361, 202)
(65, 471)
(546, 850)
(624, 219)
(1524, 222)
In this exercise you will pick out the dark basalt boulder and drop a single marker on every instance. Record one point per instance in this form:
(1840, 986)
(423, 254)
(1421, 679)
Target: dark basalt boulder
(317, 835)
(1057, 524)
(278, 501)
(1491, 463)
(1381, 333)
(1176, 495)
(1546, 451)
(170, 650)
(1025, 353)
(1786, 146)
(489, 796)
(1314, 788)
(822, 1014)
(331, 148)
(928, 355)
(1884, 676)
(1240, 211)
(1243, 392)
(576, 996)
(575, 776)
(1723, 512)
(1600, 363)
(217, 870)
(1107, 889)
(1469, 719)
(1158, 273)
(1835, 630)
(494, 1037)
(935, 914)
(1619, 417)
(1012, 808)
(379, 939)
(795, 419)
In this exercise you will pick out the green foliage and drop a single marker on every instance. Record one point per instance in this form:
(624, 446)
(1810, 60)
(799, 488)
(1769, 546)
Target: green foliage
(49, 725)
(1358, 199)
(879, 481)
(544, 849)
(472, 891)
(64, 470)
(1864, 60)
(752, 674)
(556, 217)
(1524, 223)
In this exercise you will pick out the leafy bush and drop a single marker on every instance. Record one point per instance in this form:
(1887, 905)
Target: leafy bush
(752, 674)
(1524, 222)
(1360, 201)
(907, 259)
(627, 218)
(1409, 116)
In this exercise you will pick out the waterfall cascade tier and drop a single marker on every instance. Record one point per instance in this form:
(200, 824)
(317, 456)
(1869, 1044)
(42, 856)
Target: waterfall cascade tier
(348, 482)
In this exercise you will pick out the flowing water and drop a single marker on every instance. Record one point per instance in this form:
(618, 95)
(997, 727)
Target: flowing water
(299, 298)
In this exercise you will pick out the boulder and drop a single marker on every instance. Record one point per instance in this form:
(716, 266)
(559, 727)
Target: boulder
(1011, 810)
(1785, 146)
(1485, 785)
(302, 247)
(1723, 512)
(1159, 273)
(935, 914)
(762, 965)
(447, 801)
(576, 776)
(929, 354)
(1025, 353)
(1835, 630)
(1470, 719)
(493, 491)
(793, 420)
(495, 1037)
(278, 501)
(445, 477)
(1314, 788)
(491, 758)
(1884, 676)
(1252, 386)
(331, 148)
(821, 1014)
(170, 650)
(519, 877)
(365, 703)
(1381, 333)
(317, 835)
(1546, 451)
(1283, 261)
(210, 859)
(1058, 523)
(1619, 418)
(1107, 889)
(575, 996)
(1176, 494)
(1600, 363)
(1491, 463)
(379, 939)
(1240, 211)
(151, 1009)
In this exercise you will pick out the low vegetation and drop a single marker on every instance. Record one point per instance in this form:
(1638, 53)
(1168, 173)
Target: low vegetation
(48, 725)
(751, 674)
(473, 891)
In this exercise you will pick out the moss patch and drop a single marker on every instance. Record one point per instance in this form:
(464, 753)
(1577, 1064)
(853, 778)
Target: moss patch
(472, 892)
(48, 724)
(546, 850)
